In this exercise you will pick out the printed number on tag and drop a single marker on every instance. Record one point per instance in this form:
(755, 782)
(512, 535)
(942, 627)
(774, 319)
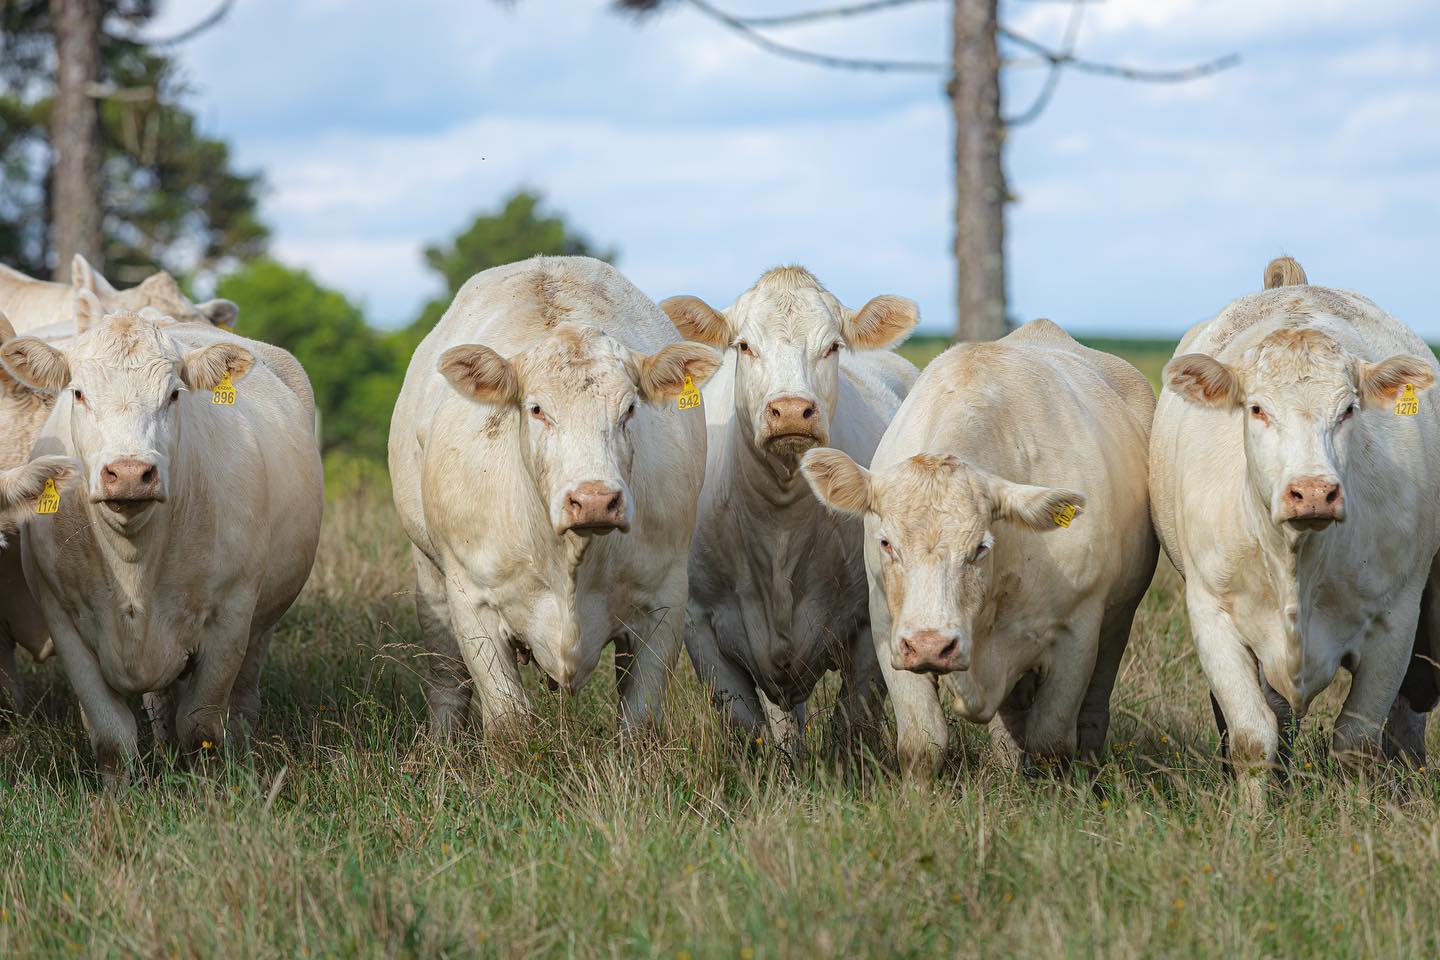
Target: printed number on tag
(1407, 404)
(49, 499)
(1063, 515)
(689, 397)
(224, 393)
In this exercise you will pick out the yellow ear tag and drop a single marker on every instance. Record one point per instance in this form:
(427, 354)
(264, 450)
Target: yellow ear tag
(1063, 515)
(49, 499)
(1407, 404)
(689, 398)
(224, 393)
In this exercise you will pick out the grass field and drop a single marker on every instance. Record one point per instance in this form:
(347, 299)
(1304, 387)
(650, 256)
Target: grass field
(345, 833)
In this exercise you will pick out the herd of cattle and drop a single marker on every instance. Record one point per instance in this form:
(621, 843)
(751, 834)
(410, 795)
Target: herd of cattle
(978, 536)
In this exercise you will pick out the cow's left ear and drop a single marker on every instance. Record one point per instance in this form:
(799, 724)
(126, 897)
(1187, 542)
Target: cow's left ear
(480, 373)
(35, 364)
(203, 369)
(663, 374)
(883, 321)
(1203, 380)
(85, 277)
(839, 482)
(1379, 383)
(220, 313)
(1040, 508)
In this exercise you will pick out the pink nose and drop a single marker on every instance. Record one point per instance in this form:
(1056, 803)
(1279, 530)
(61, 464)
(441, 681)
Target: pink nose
(789, 416)
(130, 479)
(933, 651)
(1314, 499)
(595, 506)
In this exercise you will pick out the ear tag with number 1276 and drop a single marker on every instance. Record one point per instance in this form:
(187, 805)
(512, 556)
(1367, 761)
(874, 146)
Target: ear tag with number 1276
(1407, 404)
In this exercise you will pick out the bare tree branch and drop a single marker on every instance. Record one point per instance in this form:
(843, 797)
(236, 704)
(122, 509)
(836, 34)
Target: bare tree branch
(1066, 59)
(1052, 79)
(827, 13)
(216, 15)
(741, 27)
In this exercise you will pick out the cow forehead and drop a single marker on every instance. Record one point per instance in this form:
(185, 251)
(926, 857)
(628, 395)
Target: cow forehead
(577, 359)
(124, 342)
(1296, 356)
(787, 303)
(930, 500)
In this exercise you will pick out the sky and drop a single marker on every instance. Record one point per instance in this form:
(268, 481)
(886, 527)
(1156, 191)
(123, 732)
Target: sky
(1139, 209)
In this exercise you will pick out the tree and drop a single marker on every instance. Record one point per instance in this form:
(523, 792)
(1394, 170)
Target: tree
(519, 230)
(75, 133)
(355, 375)
(973, 88)
(168, 195)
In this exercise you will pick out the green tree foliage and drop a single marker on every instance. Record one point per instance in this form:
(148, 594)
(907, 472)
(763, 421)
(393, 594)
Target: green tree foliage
(171, 198)
(520, 229)
(355, 373)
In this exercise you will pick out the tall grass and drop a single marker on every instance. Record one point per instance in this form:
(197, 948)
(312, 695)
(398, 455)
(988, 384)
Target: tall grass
(346, 833)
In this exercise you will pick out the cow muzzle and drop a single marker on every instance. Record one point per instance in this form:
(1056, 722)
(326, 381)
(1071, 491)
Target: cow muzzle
(1312, 503)
(932, 651)
(594, 508)
(129, 483)
(791, 425)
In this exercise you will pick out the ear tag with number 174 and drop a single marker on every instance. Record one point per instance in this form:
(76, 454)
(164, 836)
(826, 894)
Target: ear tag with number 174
(49, 499)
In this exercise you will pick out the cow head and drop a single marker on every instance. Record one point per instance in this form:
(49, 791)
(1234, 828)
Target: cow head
(787, 332)
(1303, 400)
(934, 521)
(158, 292)
(122, 383)
(581, 397)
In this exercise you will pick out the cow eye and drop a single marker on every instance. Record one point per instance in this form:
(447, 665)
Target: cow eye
(979, 552)
(833, 349)
(629, 412)
(888, 547)
(537, 413)
(1349, 412)
(174, 394)
(1258, 412)
(742, 345)
(79, 396)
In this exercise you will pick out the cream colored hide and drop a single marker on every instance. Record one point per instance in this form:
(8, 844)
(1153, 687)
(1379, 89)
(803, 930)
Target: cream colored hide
(979, 591)
(777, 593)
(1301, 509)
(34, 304)
(20, 488)
(547, 478)
(189, 530)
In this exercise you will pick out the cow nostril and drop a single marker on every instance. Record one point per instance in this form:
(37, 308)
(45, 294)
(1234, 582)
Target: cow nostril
(148, 476)
(614, 503)
(809, 412)
(1332, 495)
(948, 650)
(111, 476)
(1296, 493)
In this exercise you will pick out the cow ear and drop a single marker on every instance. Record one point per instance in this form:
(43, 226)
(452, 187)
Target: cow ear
(1039, 508)
(663, 374)
(85, 277)
(1284, 272)
(1379, 383)
(480, 373)
(203, 369)
(35, 364)
(839, 482)
(220, 313)
(1204, 380)
(21, 485)
(880, 323)
(697, 320)
(88, 311)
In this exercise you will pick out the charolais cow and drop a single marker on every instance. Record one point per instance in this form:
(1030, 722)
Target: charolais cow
(1292, 477)
(1008, 542)
(190, 530)
(20, 490)
(546, 454)
(35, 304)
(777, 583)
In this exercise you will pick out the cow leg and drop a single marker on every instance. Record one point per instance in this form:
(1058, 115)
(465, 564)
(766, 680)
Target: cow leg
(1375, 682)
(921, 736)
(1420, 690)
(731, 688)
(202, 701)
(160, 708)
(245, 700)
(1052, 726)
(859, 719)
(12, 691)
(504, 708)
(1251, 728)
(653, 645)
(443, 674)
(106, 716)
(785, 725)
(1007, 727)
(1094, 722)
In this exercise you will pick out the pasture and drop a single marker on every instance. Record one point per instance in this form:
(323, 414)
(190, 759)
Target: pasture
(346, 833)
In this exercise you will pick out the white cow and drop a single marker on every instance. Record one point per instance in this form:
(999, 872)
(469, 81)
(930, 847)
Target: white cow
(1293, 476)
(34, 304)
(191, 530)
(553, 404)
(1008, 541)
(777, 583)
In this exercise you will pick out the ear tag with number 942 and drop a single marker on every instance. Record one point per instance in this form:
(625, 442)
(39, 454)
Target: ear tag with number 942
(1407, 404)
(224, 393)
(689, 397)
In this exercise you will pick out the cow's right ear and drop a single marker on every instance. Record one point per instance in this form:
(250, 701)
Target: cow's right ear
(839, 482)
(21, 485)
(35, 364)
(480, 373)
(1203, 380)
(697, 320)
(88, 311)
(85, 277)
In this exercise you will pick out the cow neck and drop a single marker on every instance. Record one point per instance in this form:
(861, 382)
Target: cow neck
(126, 550)
(775, 482)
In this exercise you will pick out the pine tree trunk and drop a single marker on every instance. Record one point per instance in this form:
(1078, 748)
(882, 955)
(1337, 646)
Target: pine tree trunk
(75, 134)
(980, 190)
